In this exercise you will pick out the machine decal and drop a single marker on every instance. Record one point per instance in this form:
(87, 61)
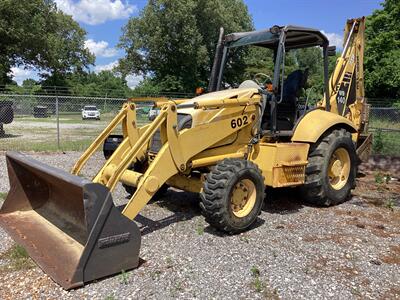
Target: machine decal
(342, 94)
(239, 122)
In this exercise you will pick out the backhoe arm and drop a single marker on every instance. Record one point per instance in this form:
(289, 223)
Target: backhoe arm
(346, 84)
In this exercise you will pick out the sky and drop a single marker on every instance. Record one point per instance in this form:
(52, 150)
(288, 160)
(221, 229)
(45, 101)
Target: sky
(103, 21)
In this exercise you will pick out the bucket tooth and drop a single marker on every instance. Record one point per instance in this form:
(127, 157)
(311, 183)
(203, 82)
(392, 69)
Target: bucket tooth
(68, 225)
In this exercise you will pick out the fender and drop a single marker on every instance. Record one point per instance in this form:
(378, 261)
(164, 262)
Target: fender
(312, 125)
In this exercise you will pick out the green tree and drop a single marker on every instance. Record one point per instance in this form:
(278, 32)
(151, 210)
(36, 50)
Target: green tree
(382, 53)
(146, 88)
(173, 41)
(35, 34)
(104, 84)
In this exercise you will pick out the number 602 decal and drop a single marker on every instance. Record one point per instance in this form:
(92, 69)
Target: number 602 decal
(239, 122)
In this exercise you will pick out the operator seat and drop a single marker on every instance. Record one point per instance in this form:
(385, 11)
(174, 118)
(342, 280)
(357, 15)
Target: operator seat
(287, 109)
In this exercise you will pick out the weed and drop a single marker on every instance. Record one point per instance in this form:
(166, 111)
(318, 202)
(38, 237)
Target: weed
(388, 177)
(258, 284)
(124, 277)
(355, 291)
(200, 229)
(168, 260)
(381, 178)
(109, 297)
(378, 141)
(245, 239)
(255, 272)
(390, 204)
(378, 178)
(155, 275)
(3, 196)
(179, 286)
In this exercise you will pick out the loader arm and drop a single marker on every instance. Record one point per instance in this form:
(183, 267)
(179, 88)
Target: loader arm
(179, 147)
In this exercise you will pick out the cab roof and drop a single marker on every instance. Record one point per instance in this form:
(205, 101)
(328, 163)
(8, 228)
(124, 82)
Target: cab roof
(296, 37)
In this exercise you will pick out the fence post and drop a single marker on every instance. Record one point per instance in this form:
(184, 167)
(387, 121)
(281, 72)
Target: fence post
(58, 124)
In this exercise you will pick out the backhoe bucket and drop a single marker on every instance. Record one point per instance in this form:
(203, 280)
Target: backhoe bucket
(67, 224)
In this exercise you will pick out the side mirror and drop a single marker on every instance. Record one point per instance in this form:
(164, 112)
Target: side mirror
(331, 50)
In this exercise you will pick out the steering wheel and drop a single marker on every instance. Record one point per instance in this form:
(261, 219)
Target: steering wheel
(259, 75)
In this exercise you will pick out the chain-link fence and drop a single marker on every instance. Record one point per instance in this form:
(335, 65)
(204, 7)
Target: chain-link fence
(49, 123)
(62, 122)
(384, 123)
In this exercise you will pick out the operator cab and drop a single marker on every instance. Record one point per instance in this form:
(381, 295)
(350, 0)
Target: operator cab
(284, 99)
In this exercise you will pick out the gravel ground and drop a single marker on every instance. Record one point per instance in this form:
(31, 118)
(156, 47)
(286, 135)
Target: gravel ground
(294, 251)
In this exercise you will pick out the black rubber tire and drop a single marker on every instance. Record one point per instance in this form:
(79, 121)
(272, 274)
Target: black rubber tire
(216, 195)
(317, 189)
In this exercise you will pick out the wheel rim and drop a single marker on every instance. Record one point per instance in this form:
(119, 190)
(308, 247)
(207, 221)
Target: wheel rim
(243, 198)
(339, 168)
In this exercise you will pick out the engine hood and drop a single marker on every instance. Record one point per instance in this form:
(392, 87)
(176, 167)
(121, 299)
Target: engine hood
(227, 94)
(201, 116)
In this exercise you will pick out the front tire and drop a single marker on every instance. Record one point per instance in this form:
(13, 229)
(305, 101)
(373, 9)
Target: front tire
(331, 170)
(233, 195)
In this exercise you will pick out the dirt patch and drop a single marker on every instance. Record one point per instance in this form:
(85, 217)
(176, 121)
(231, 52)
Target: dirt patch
(379, 230)
(334, 237)
(393, 257)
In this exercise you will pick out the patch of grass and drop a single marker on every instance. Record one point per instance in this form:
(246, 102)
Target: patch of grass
(18, 259)
(124, 277)
(109, 297)
(3, 196)
(49, 146)
(386, 142)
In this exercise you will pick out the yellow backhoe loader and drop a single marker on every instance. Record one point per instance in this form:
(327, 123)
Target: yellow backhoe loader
(228, 145)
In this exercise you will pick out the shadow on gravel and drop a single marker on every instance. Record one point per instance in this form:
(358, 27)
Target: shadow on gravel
(283, 201)
(211, 230)
(184, 206)
(8, 135)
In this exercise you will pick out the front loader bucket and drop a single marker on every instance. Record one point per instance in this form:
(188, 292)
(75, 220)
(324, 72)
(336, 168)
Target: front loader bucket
(67, 224)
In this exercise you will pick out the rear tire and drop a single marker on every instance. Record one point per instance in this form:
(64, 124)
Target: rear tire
(233, 195)
(331, 170)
